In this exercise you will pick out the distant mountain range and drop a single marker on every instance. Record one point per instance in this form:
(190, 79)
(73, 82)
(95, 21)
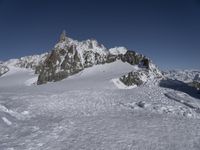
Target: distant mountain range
(69, 57)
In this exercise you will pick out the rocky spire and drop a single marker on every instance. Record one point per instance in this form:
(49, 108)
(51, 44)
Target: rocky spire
(63, 36)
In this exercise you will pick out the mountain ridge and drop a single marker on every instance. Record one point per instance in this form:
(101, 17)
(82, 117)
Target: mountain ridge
(70, 56)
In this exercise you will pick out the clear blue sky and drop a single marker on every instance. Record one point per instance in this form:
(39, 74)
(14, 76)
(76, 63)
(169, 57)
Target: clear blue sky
(168, 31)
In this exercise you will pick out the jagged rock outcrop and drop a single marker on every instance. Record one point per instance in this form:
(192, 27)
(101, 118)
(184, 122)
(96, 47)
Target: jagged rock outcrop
(132, 57)
(60, 64)
(196, 81)
(134, 78)
(146, 73)
(3, 69)
(70, 56)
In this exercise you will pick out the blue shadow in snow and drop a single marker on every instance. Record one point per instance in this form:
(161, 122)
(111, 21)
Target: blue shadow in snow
(180, 86)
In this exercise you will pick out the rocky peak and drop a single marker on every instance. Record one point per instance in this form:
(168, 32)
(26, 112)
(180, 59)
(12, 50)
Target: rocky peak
(63, 37)
(64, 41)
(70, 56)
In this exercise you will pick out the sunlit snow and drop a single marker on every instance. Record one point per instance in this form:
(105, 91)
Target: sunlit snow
(92, 111)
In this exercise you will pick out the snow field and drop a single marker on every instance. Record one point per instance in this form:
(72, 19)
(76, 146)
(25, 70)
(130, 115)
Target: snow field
(88, 111)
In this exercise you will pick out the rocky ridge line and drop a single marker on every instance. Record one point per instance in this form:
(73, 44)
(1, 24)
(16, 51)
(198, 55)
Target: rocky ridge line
(70, 57)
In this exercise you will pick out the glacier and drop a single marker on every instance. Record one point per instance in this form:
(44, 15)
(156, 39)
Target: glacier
(88, 111)
(119, 100)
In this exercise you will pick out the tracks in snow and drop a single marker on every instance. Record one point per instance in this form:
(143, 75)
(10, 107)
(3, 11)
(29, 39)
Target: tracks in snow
(7, 115)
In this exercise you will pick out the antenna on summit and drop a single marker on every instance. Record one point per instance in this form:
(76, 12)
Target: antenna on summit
(63, 36)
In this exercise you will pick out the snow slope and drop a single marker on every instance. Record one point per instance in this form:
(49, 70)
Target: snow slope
(88, 111)
(27, 62)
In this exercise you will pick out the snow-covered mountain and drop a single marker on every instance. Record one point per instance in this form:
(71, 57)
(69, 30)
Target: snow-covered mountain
(71, 56)
(28, 62)
(105, 99)
(190, 77)
(182, 75)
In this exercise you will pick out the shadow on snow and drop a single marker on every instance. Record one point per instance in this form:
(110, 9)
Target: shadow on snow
(180, 86)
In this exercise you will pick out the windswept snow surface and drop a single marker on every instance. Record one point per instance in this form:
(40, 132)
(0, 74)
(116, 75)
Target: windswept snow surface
(88, 111)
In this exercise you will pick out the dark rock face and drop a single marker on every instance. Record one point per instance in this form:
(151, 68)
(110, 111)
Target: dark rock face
(3, 69)
(146, 71)
(38, 69)
(65, 60)
(195, 84)
(145, 63)
(134, 78)
(91, 58)
(55, 69)
(60, 64)
(111, 58)
(132, 58)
